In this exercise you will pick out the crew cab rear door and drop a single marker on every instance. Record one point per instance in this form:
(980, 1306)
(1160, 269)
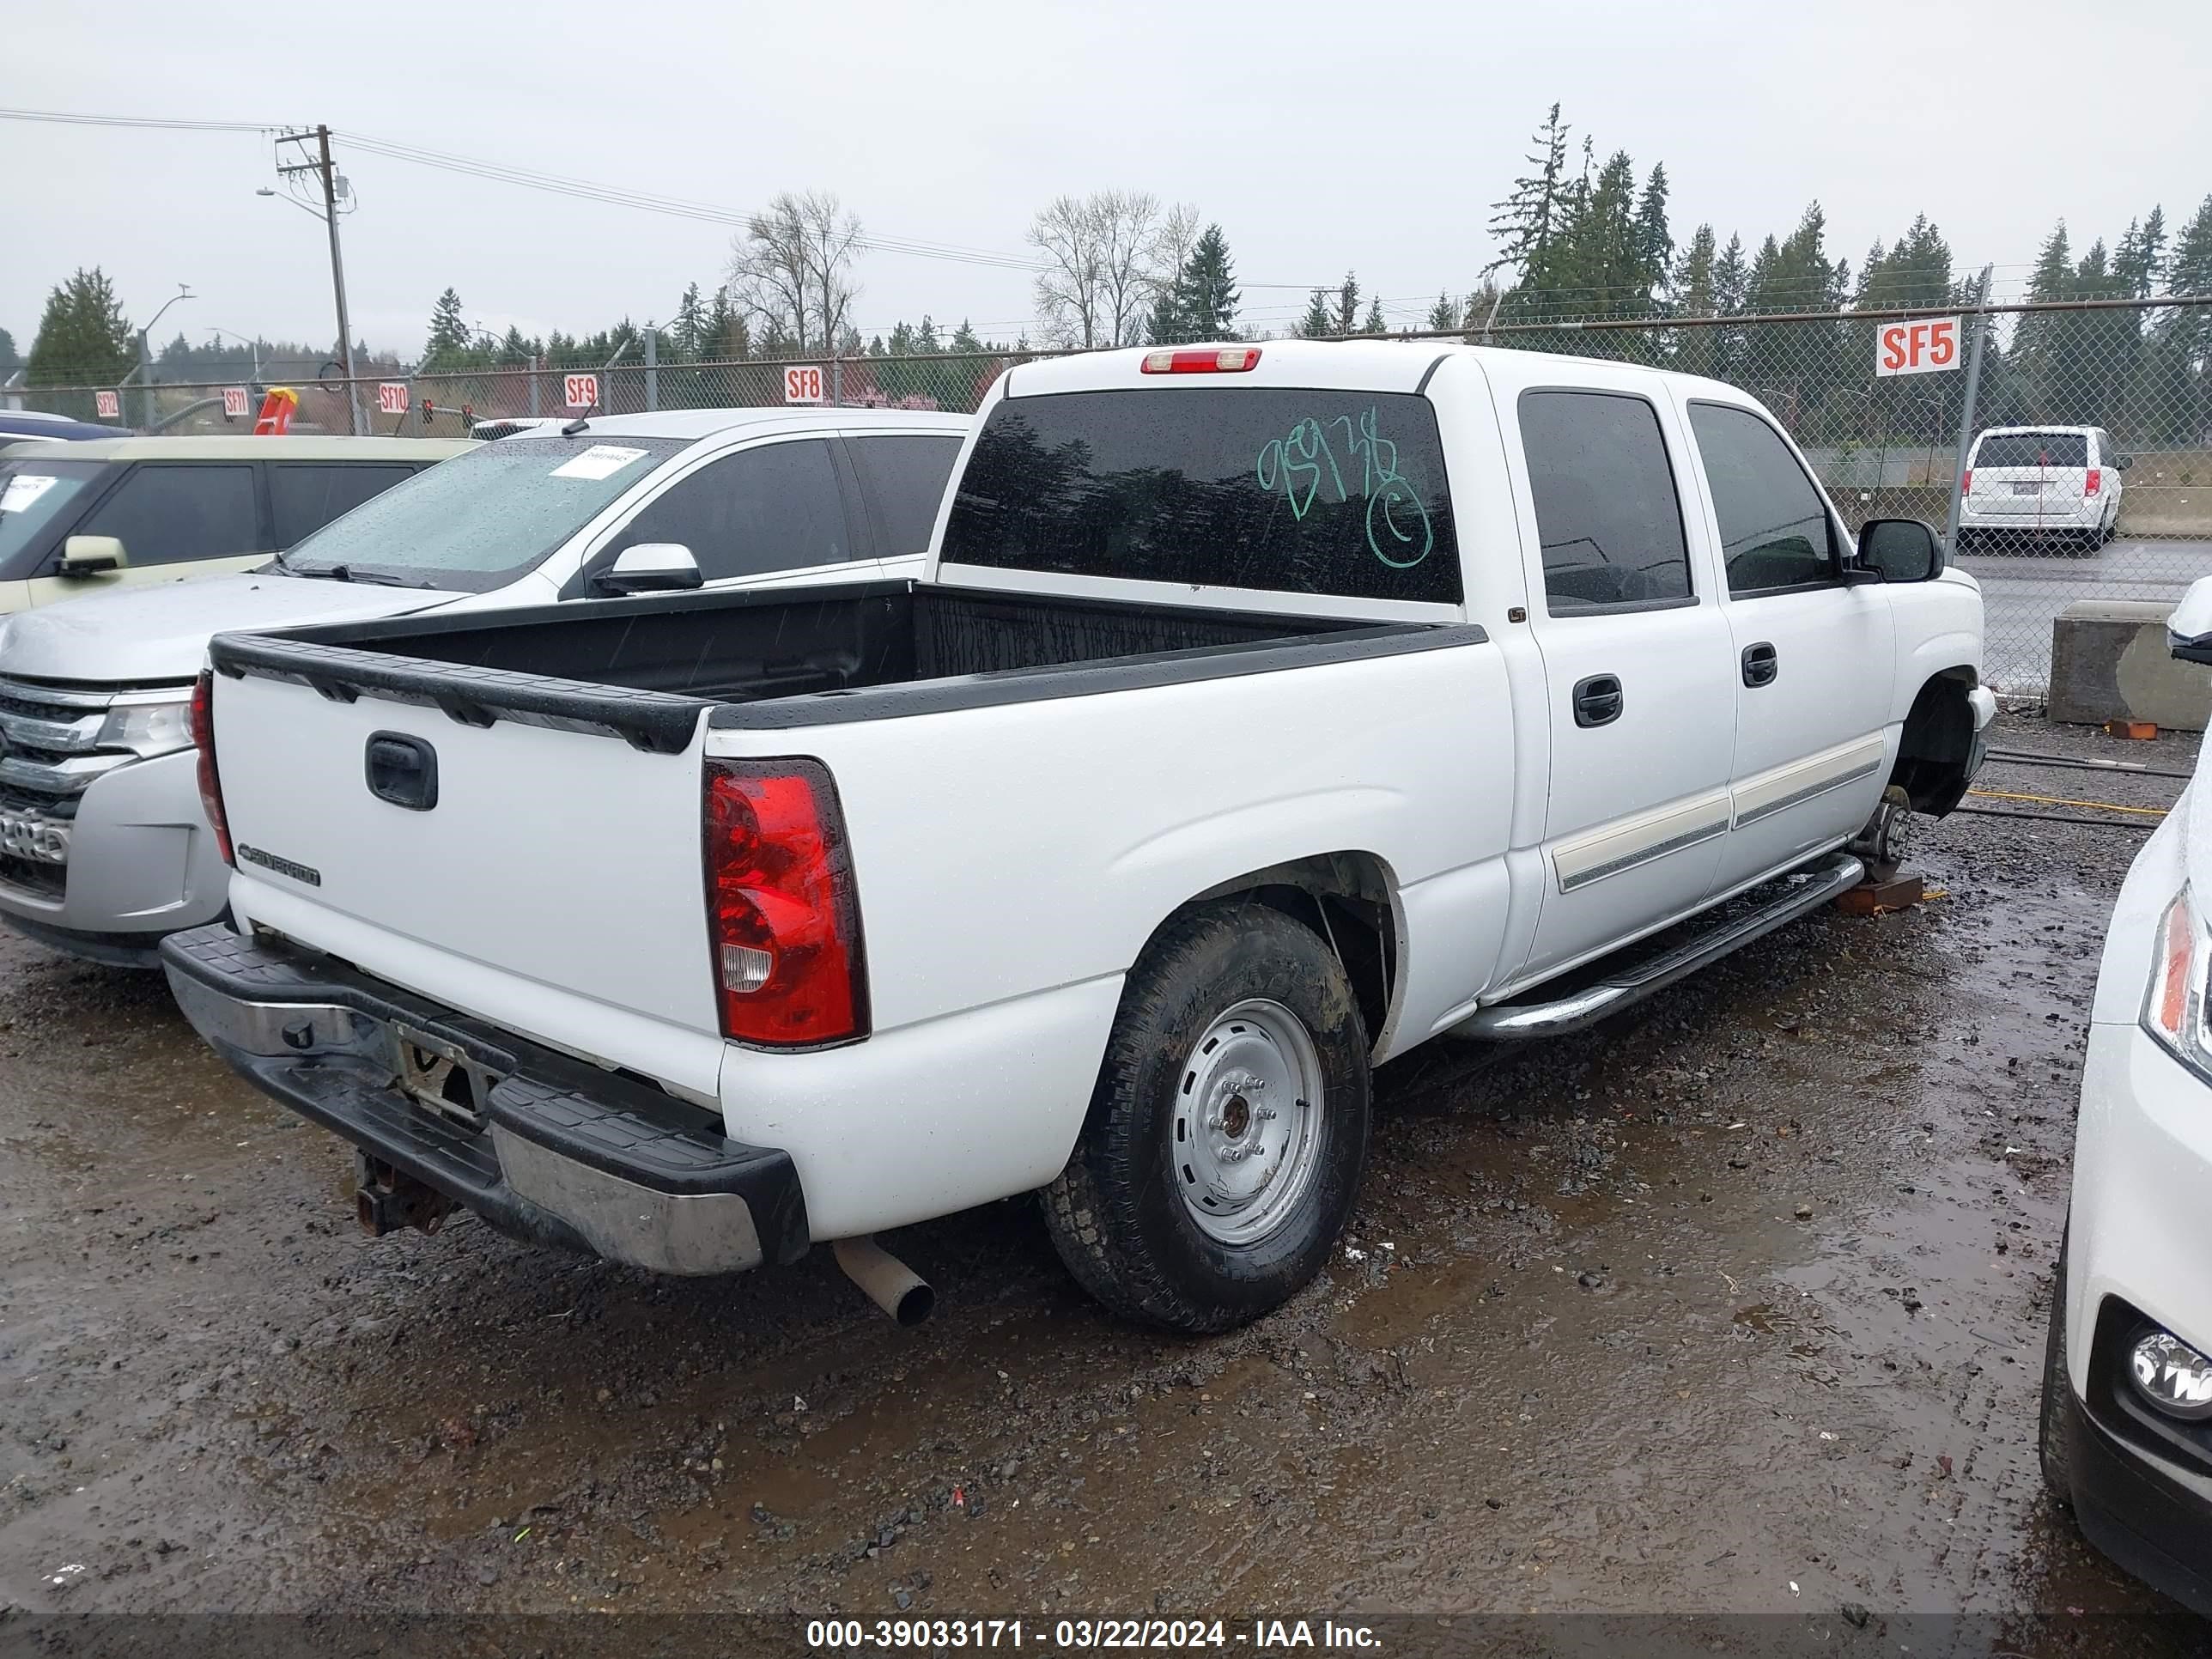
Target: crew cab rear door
(1636, 659)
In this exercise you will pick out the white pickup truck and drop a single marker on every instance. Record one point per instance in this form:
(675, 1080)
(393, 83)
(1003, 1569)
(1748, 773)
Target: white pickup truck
(1265, 712)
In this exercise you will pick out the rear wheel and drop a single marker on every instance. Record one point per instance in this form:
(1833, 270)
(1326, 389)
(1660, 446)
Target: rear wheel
(1227, 1133)
(2057, 1394)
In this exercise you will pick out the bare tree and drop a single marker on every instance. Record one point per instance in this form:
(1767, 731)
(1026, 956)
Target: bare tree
(1108, 257)
(791, 272)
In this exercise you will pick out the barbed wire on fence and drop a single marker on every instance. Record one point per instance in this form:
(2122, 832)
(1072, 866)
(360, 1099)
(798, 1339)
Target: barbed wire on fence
(2136, 371)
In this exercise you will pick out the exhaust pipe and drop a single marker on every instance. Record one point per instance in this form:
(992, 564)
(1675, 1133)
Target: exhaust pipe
(888, 1282)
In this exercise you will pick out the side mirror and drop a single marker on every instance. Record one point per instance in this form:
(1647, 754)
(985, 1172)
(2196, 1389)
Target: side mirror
(650, 568)
(87, 556)
(2189, 629)
(1902, 549)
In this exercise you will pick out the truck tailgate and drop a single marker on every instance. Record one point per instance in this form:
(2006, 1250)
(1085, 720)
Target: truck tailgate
(548, 856)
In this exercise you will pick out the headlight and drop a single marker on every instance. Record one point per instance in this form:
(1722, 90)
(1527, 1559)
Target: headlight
(148, 729)
(2173, 1006)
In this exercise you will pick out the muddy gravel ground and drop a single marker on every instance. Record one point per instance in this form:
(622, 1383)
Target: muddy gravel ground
(1734, 1305)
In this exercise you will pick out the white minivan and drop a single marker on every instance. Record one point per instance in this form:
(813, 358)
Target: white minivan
(2048, 484)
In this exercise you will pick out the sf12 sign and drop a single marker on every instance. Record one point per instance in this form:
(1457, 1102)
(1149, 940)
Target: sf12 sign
(1924, 347)
(392, 398)
(580, 391)
(233, 403)
(108, 405)
(802, 383)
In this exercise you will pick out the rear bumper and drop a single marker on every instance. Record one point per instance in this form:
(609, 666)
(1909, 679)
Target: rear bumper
(2001, 513)
(559, 1152)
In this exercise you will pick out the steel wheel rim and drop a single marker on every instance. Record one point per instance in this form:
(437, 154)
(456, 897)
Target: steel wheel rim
(1247, 1121)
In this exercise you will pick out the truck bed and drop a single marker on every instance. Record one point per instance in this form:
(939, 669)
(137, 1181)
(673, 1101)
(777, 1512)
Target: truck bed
(643, 669)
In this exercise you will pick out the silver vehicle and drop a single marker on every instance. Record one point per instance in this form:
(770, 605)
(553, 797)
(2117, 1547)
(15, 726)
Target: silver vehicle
(104, 845)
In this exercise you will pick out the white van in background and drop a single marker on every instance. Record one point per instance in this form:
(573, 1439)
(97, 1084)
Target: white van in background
(2041, 484)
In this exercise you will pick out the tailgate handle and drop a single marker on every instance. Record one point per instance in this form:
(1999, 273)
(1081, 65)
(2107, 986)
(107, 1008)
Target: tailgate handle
(402, 770)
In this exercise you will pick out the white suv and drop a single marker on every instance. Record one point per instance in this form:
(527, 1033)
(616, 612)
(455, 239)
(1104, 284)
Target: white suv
(2127, 1386)
(2041, 484)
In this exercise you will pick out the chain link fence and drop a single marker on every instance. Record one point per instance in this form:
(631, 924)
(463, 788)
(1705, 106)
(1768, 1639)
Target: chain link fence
(2137, 373)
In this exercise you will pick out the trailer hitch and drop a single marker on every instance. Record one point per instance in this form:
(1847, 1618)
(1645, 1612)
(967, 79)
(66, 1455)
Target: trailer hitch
(387, 1200)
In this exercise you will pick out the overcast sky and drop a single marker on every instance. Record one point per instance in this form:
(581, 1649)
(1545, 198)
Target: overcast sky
(1321, 137)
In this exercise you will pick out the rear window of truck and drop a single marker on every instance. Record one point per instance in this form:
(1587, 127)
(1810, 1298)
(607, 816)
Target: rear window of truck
(1285, 491)
(2032, 449)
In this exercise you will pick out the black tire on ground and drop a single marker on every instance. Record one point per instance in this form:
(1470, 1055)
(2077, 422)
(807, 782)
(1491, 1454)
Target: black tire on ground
(2058, 1393)
(1116, 1212)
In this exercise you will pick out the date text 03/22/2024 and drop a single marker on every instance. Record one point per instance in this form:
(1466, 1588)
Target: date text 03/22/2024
(1085, 1635)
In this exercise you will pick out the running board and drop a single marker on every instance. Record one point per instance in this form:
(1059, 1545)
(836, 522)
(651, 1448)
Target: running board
(1632, 982)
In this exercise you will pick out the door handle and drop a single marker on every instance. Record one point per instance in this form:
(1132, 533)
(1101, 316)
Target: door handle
(402, 770)
(1760, 666)
(1598, 700)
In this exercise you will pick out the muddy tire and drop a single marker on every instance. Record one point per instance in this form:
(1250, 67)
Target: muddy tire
(1225, 1138)
(2057, 1394)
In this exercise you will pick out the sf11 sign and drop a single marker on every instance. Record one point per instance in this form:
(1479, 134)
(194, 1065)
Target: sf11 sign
(1924, 347)
(802, 383)
(233, 403)
(580, 391)
(392, 398)
(108, 405)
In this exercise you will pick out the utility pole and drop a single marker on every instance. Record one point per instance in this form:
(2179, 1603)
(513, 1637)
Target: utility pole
(326, 175)
(1966, 406)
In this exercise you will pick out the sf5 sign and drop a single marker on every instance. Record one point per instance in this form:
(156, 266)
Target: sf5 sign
(802, 383)
(1917, 347)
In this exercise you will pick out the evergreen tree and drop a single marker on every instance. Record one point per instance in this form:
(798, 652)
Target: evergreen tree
(2040, 343)
(449, 330)
(1527, 221)
(1653, 242)
(688, 332)
(1695, 296)
(1345, 318)
(83, 338)
(2183, 338)
(1317, 322)
(1445, 313)
(1731, 287)
(964, 339)
(1200, 302)
(9, 362)
(1375, 322)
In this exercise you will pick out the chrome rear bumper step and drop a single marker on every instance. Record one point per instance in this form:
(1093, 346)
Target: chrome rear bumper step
(1632, 981)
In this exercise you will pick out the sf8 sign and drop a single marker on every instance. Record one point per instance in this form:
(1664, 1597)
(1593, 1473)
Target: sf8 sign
(802, 383)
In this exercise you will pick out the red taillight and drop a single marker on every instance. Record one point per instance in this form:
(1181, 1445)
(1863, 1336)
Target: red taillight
(203, 740)
(1966, 482)
(2094, 482)
(780, 905)
(1205, 360)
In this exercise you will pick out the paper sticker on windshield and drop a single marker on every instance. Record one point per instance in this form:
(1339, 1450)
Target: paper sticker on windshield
(24, 488)
(599, 461)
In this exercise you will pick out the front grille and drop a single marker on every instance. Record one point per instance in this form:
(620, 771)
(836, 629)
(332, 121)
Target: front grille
(33, 876)
(50, 750)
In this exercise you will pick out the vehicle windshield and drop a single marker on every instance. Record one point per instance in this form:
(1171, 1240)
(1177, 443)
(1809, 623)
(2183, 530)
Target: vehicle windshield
(32, 492)
(480, 520)
(2032, 449)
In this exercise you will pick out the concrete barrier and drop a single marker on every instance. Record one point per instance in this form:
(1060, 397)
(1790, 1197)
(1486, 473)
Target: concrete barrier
(2109, 662)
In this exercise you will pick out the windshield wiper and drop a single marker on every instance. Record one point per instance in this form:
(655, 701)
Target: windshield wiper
(345, 573)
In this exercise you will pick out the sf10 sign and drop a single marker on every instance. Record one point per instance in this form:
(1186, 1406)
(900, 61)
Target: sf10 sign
(802, 383)
(580, 391)
(108, 405)
(392, 398)
(233, 403)
(1917, 348)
